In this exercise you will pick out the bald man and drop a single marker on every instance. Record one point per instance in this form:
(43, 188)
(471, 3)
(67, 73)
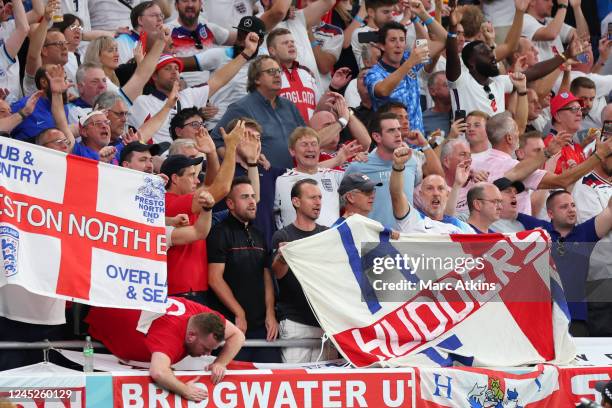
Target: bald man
(432, 197)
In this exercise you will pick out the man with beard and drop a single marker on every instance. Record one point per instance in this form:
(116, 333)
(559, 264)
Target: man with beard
(191, 37)
(592, 194)
(296, 318)
(573, 244)
(592, 97)
(186, 329)
(41, 118)
(479, 86)
(239, 276)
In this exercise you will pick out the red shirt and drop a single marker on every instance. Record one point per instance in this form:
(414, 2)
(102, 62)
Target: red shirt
(116, 329)
(571, 155)
(299, 86)
(187, 264)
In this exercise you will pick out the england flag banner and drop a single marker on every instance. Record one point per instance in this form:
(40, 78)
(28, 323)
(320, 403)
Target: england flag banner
(81, 230)
(434, 300)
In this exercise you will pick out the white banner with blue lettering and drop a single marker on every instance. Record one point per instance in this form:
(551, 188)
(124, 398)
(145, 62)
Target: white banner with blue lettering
(496, 301)
(77, 229)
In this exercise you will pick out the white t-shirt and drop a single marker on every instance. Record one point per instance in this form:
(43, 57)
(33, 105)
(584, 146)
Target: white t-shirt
(411, 223)
(230, 92)
(227, 13)
(146, 106)
(328, 181)
(9, 75)
(110, 14)
(546, 49)
(469, 95)
(591, 195)
(499, 12)
(18, 304)
(351, 94)
(332, 38)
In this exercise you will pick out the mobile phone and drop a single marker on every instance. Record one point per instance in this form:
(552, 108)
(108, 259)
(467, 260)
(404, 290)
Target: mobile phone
(609, 31)
(582, 58)
(366, 37)
(421, 42)
(460, 114)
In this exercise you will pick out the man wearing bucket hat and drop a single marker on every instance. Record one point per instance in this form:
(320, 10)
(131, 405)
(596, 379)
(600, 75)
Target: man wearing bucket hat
(566, 112)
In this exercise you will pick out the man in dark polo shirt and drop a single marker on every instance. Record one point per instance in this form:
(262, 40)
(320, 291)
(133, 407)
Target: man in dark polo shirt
(571, 249)
(297, 319)
(238, 273)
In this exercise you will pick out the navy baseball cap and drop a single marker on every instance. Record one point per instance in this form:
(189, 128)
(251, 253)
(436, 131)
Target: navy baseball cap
(356, 181)
(154, 149)
(174, 163)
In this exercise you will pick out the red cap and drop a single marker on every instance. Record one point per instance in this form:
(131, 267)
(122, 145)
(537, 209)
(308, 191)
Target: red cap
(166, 59)
(560, 100)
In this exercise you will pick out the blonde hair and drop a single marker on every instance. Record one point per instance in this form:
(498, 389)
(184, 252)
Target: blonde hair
(94, 49)
(301, 132)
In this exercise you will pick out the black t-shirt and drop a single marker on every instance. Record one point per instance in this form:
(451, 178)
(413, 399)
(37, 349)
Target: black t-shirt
(243, 251)
(292, 303)
(125, 71)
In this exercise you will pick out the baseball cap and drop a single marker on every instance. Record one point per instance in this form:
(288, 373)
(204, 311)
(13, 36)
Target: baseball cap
(560, 100)
(356, 181)
(85, 118)
(166, 59)
(605, 387)
(252, 24)
(504, 183)
(174, 163)
(154, 149)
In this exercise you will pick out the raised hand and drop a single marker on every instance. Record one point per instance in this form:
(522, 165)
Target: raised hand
(131, 136)
(457, 127)
(234, 136)
(57, 82)
(206, 200)
(401, 155)
(4, 92)
(519, 80)
(107, 154)
(138, 53)
(488, 32)
(341, 108)
(173, 96)
(462, 172)
(520, 64)
(340, 78)
(251, 42)
(349, 150)
(250, 146)
(204, 142)
(521, 5)
(31, 102)
(418, 55)
(209, 111)
(604, 48)
(456, 14)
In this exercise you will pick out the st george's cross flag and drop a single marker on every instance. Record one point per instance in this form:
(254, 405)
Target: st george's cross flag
(82, 230)
(434, 300)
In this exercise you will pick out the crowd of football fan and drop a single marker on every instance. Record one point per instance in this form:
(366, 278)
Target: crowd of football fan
(271, 121)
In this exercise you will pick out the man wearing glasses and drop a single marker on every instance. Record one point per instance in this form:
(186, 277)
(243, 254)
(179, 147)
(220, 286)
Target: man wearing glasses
(146, 17)
(94, 129)
(485, 203)
(566, 112)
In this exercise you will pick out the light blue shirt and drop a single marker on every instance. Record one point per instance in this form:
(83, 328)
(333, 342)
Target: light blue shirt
(379, 171)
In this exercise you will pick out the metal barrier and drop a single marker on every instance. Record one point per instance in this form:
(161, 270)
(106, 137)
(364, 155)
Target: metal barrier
(77, 344)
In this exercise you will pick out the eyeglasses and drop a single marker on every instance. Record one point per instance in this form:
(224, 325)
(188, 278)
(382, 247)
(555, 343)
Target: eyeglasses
(100, 123)
(194, 125)
(573, 109)
(75, 27)
(497, 203)
(488, 90)
(196, 37)
(159, 16)
(58, 142)
(120, 114)
(272, 71)
(59, 44)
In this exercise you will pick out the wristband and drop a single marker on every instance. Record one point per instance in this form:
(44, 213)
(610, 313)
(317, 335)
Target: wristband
(243, 55)
(206, 208)
(359, 20)
(562, 6)
(398, 170)
(23, 115)
(451, 35)
(251, 164)
(521, 93)
(426, 147)
(342, 122)
(428, 21)
(315, 43)
(415, 19)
